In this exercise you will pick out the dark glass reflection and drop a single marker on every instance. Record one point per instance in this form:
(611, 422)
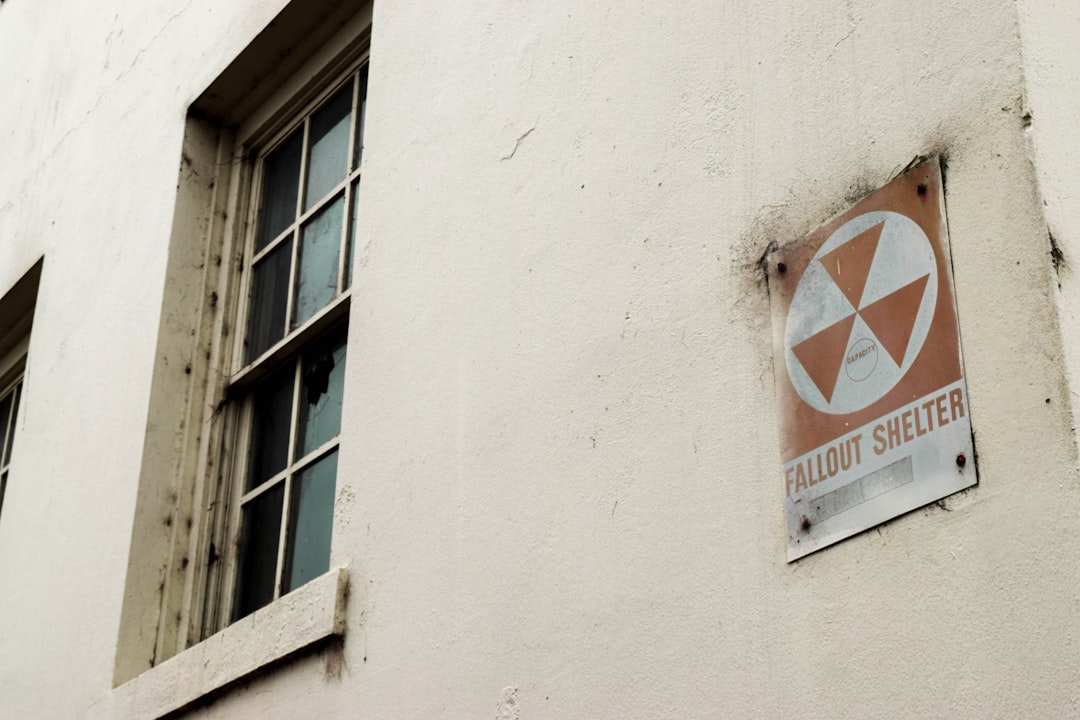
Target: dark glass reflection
(270, 424)
(258, 552)
(280, 185)
(269, 299)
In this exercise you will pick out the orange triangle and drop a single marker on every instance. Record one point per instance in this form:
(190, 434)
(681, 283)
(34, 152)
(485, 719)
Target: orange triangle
(892, 318)
(849, 264)
(822, 355)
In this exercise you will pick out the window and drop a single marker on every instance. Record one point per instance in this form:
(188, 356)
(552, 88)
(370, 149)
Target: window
(233, 521)
(288, 380)
(16, 321)
(9, 411)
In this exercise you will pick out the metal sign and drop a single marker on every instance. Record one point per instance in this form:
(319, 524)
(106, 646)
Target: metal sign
(873, 405)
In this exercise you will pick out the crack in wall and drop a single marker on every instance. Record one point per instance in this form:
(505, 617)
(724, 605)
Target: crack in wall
(517, 143)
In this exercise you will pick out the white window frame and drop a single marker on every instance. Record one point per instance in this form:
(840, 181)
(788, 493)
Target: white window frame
(176, 616)
(252, 142)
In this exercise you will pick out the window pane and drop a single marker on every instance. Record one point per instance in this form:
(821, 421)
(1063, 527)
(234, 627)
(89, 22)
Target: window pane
(358, 148)
(323, 380)
(14, 419)
(258, 552)
(316, 278)
(271, 416)
(5, 415)
(311, 524)
(352, 231)
(281, 182)
(329, 151)
(269, 296)
(3, 487)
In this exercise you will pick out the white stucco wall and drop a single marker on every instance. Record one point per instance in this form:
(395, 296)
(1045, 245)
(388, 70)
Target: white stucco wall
(559, 487)
(94, 101)
(1052, 102)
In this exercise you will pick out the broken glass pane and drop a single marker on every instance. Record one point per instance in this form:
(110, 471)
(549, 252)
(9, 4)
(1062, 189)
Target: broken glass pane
(311, 524)
(281, 182)
(358, 148)
(316, 278)
(328, 154)
(269, 296)
(258, 552)
(322, 383)
(271, 415)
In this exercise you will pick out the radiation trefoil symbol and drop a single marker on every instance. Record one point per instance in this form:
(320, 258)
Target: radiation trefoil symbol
(861, 312)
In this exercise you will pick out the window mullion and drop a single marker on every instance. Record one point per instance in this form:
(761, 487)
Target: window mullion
(294, 268)
(270, 247)
(353, 139)
(265, 486)
(319, 205)
(297, 337)
(343, 249)
(293, 272)
(354, 125)
(283, 534)
(4, 459)
(286, 507)
(318, 453)
(4, 443)
(304, 160)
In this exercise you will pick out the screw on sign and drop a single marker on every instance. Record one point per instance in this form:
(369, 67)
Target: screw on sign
(869, 375)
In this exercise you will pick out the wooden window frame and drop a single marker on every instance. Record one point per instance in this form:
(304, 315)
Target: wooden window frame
(182, 561)
(239, 379)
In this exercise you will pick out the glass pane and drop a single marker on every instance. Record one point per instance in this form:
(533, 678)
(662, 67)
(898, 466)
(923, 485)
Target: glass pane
(3, 487)
(14, 421)
(5, 415)
(271, 416)
(352, 230)
(311, 523)
(358, 148)
(280, 185)
(269, 296)
(316, 278)
(329, 151)
(258, 552)
(323, 381)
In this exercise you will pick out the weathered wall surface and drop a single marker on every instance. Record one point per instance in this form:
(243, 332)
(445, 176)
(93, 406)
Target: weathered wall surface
(94, 101)
(1052, 105)
(559, 487)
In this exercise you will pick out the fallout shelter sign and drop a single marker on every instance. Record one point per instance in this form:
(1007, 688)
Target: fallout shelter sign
(869, 376)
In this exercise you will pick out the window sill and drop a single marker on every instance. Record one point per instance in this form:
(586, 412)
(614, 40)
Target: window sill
(311, 614)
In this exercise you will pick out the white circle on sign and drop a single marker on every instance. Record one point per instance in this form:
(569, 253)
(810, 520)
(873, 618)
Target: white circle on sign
(861, 312)
(861, 359)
